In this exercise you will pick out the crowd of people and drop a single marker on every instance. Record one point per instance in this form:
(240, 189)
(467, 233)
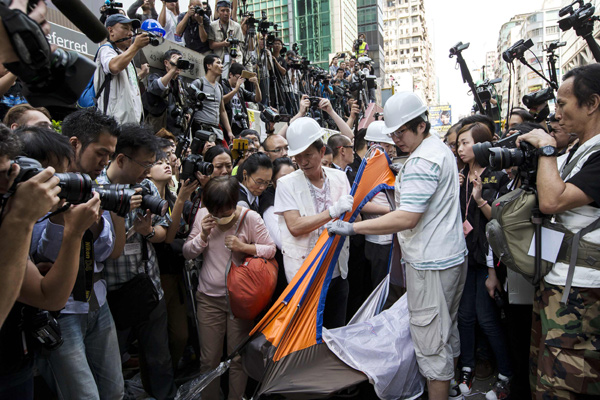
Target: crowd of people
(106, 215)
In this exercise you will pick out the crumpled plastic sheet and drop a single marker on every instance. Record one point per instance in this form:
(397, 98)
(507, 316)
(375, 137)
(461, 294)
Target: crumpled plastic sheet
(381, 347)
(191, 390)
(134, 389)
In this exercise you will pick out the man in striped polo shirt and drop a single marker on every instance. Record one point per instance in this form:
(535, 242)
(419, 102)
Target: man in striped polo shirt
(429, 226)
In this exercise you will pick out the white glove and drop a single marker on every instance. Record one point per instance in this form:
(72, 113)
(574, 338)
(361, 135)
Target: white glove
(340, 227)
(344, 204)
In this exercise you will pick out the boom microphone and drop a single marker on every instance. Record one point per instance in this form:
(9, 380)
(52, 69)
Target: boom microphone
(82, 18)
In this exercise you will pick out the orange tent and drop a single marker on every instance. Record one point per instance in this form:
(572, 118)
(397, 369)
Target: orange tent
(286, 350)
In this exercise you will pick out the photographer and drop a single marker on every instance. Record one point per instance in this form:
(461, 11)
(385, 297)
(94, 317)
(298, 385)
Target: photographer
(562, 339)
(18, 343)
(85, 323)
(168, 18)
(30, 201)
(213, 108)
(148, 10)
(333, 65)
(222, 30)
(165, 96)
(235, 98)
(134, 157)
(194, 27)
(361, 46)
(115, 62)
(519, 115)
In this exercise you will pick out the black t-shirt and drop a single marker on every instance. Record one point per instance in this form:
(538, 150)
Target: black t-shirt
(192, 36)
(588, 178)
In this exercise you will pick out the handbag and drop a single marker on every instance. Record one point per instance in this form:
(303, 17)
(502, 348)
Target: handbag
(251, 284)
(133, 302)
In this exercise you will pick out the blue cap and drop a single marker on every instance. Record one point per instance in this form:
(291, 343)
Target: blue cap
(121, 19)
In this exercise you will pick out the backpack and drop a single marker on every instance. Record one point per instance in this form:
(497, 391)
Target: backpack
(89, 97)
(512, 227)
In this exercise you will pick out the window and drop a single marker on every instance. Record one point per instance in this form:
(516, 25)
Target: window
(415, 30)
(414, 9)
(415, 49)
(414, 19)
(551, 29)
(401, 51)
(415, 39)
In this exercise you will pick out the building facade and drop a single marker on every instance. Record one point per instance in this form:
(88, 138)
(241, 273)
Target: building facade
(279, 12)
(408, 50)
(370, 22)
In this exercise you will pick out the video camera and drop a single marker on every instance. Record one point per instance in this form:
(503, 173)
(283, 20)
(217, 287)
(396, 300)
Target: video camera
(534, 99)
(578, 18)
(197, 96)
(184, 64)
(111, 7)
(458, 48)
(517, 50)
(357, 44)
(241, 120)
(269, 115)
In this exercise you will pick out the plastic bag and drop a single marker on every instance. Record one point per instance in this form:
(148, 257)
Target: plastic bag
(381, 348)
(191, 390)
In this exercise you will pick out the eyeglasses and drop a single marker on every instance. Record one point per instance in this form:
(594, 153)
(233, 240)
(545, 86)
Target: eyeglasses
(278, 149)
(261, 183)
(145, 166)
(399, 133)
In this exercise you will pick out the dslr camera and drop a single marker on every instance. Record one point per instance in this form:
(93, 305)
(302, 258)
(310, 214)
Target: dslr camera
(184, 64)
(269, 115)
(192, 164)
(199, 10)
(505, 154)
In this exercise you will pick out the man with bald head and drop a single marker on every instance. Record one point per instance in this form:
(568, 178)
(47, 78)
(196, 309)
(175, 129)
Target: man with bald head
(275, 146)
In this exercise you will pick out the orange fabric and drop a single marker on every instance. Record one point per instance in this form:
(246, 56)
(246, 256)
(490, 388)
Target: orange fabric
(292, 328)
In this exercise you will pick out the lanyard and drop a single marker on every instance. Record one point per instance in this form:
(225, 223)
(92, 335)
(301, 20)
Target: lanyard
(467, 196)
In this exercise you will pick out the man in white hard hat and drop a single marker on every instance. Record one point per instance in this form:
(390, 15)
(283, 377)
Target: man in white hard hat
(305, 201)
(429, 226)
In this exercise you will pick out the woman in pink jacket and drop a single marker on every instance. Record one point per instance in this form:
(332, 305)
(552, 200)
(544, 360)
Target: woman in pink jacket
(214, 235)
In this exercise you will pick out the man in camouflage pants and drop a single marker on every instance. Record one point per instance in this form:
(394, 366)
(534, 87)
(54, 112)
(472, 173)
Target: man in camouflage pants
(565, 340)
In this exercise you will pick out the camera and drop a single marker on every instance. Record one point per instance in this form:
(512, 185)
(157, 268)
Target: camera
(74, 188)
(155, 39)
(115, 197)
(505, 154)
(58, 84)
(577, 18)
(184, 64)
(233, 51)
(178, 117)
(537, 98)
(155, 204)
(269, 115)
(199, 96)
(192, 164)
(314, 102)
(45, 329)
(241, 120)
(517, 50)
(111, 7)
(457, 48)
(357, 44)
(199, 10)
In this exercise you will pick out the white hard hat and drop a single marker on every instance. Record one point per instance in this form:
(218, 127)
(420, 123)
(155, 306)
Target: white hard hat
(402, 108)
(375, 133)
(301, 134)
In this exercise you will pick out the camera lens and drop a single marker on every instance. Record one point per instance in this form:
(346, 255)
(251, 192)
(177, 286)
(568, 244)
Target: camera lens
(74, 188)
(205, 168)
(115, 198)
(481, 153)
(503, 158)
(155, 204)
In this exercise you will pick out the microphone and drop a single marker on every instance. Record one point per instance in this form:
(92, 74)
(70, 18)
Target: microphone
(82, 18)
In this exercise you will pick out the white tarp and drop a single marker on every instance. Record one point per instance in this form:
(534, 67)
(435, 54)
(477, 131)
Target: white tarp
(380, 347)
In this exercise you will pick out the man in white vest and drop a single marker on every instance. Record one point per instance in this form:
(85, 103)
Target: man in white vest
(429, 226)
(305, 201)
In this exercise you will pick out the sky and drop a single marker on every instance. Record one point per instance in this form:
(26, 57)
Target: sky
(477, 22)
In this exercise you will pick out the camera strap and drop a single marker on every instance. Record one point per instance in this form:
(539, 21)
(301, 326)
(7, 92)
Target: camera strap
(84, 284)
(194, 210)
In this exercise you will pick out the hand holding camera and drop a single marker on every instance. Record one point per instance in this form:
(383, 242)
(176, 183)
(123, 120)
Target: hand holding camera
(36, 196)
(142, 40)
(78, 218)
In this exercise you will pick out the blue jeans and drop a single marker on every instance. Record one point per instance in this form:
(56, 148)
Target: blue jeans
(88, 364)
(476, 305)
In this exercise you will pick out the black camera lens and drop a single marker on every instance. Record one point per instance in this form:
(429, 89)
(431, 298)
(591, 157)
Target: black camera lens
(155, 204)
(115, 198)
(503, 158)
(75, 188)
(482, 153)
(205, 168)
(193, 164)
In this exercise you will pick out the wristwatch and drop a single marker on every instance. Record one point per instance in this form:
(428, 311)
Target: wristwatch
(150, 235)
(548, 151)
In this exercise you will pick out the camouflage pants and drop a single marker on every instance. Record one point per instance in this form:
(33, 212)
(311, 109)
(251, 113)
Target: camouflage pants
(564, 355)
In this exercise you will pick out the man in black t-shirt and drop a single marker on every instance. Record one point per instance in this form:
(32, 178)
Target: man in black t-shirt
(235, 98)
(568, 296)
(194, 27)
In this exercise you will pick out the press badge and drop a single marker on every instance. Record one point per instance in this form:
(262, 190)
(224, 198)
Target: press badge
(132, 249)
(226, 58)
